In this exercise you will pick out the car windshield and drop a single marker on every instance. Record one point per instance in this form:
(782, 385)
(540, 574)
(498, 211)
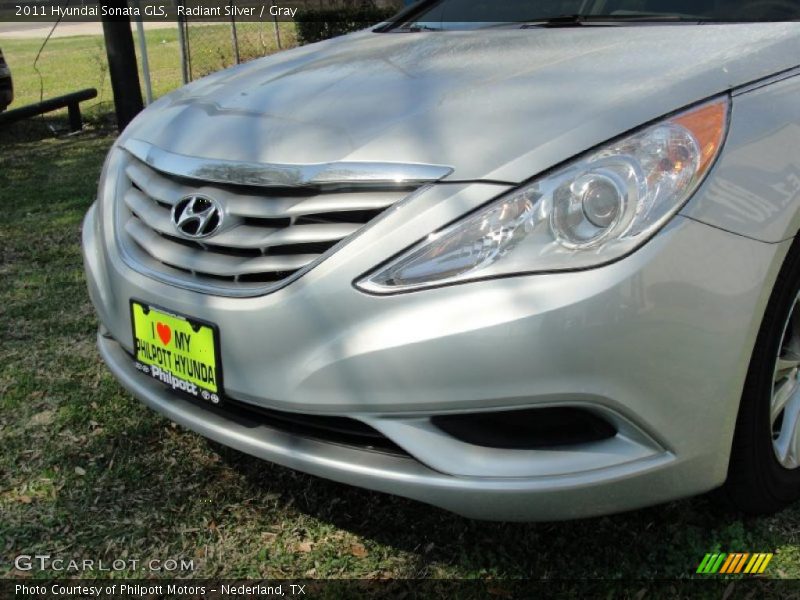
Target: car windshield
(438, 15)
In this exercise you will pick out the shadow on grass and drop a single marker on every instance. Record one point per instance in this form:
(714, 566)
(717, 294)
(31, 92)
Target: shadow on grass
(99, 120)
(663, 541)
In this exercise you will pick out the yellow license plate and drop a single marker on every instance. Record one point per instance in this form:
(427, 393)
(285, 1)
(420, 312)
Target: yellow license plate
(179, 351)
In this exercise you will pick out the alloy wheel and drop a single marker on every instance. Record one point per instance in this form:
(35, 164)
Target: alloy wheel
(785, 405)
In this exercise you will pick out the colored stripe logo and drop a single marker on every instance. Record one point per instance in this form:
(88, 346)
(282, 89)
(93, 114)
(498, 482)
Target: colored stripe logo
(735, 563)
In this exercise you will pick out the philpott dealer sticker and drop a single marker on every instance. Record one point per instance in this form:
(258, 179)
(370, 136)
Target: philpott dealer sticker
(176, 350)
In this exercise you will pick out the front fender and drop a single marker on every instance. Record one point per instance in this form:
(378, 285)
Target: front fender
(754, 190)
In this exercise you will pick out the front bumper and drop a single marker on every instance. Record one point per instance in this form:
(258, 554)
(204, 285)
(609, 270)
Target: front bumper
(657, 343)
(543, 498)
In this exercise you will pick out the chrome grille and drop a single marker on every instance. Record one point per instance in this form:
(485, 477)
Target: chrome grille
(270, 234)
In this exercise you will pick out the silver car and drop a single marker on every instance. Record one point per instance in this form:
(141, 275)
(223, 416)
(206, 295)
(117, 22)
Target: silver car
(525, 264)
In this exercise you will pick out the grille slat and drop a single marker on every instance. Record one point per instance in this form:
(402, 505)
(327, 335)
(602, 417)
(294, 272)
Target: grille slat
(241, 236)
(158, 188)
(267, 235)
(342, 203)
(148, 211)
(244, 236)
(203, 261)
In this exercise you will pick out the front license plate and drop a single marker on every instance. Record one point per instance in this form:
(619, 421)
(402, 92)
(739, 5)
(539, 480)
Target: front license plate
(179, 351)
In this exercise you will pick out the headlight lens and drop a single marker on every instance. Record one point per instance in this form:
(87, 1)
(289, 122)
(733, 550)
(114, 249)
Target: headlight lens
(594, 210)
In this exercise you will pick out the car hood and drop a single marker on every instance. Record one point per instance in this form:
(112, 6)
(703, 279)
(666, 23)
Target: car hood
(497, 105)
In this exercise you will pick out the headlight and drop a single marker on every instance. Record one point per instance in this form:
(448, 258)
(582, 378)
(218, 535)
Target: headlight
(596, 209)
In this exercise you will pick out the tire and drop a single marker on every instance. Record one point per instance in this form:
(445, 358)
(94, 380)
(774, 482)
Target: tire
(759, 482)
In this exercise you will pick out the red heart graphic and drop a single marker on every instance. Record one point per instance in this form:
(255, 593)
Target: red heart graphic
(164, 332)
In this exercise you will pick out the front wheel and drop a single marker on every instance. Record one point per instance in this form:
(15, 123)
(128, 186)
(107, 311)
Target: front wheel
(764, 471)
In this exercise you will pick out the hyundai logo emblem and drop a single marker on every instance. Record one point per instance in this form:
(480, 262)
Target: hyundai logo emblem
(197, 216)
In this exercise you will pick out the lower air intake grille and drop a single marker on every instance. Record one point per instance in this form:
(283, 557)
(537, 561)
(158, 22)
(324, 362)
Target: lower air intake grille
(527, 429)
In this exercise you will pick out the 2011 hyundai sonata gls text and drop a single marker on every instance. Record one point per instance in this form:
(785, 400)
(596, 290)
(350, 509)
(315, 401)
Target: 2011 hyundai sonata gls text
(517, 265)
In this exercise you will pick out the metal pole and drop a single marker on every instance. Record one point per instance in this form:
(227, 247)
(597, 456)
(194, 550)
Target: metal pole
(277, 29)
(188, 49)
(148, 88)
(182, 44)
(234, 36)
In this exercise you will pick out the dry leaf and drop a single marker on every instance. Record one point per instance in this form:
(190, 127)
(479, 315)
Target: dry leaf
(303, 547)
(358, 550)
(80, 471)
(43, 418)
(25, 499)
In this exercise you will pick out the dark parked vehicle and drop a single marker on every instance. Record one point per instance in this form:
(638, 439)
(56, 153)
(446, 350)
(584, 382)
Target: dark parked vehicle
(6, 86)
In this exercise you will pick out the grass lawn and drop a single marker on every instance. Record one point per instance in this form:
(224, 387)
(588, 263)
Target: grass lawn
(87, 471)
